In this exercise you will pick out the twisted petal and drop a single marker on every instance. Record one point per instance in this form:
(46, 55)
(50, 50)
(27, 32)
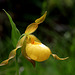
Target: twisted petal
(13, 52)
(31, 28)
(58, 58)
(11, 55)
(4, 62)
(41, 19)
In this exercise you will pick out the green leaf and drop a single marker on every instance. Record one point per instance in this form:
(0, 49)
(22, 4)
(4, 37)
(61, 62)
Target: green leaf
(15, 34)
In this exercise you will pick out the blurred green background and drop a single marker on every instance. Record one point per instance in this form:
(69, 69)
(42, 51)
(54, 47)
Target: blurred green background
(57, 32)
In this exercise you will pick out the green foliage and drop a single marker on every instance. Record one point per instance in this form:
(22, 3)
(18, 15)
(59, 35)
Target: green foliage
(15, 34)
(59, 36)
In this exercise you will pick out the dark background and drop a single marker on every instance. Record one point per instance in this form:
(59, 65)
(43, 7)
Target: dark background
(57, 32)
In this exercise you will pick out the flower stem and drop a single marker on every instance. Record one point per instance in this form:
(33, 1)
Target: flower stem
(17, 67)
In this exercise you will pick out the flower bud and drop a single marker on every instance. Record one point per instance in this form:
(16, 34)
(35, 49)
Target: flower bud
(37, 51)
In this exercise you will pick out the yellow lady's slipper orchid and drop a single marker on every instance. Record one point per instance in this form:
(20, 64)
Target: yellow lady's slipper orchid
(31, 47)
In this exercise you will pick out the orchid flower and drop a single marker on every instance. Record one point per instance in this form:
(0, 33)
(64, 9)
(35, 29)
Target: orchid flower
(31, 47)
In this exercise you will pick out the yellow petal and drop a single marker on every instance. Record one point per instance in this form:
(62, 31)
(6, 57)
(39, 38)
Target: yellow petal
(31, 28)
(41, 19)
(38, 51)
(13, 52)
(58, 58)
